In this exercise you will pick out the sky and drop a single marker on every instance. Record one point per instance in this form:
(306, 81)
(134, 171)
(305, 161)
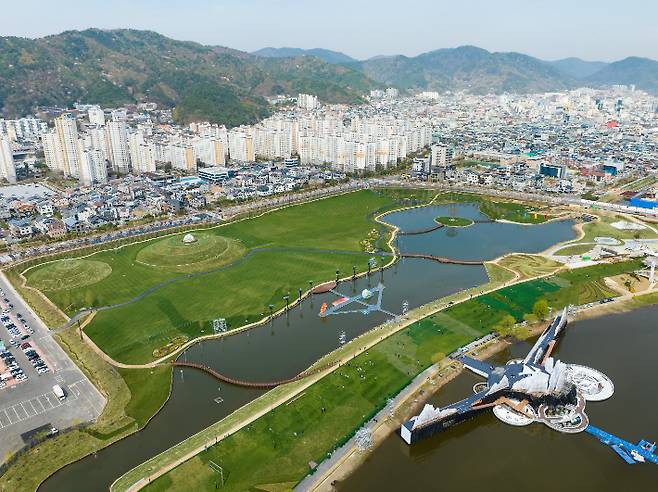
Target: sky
(604, 30)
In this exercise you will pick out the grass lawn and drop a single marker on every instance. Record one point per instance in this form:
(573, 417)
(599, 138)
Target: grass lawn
(576, 250)
(208, 251)
(275, 450)
(133, 397)
(602, 228)
(241, 294)
(528, 266)
(454, 221)
(339, 223)
(251, 264)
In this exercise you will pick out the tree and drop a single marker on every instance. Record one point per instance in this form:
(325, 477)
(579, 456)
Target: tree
(540, 309)
(506, 325)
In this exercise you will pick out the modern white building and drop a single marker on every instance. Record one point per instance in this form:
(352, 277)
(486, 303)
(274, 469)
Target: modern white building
(61, 147)
(7, 165)
(307, 101)
(93, 167)
(241, 144)
(96, 116)
(116, 136)
(142, 153)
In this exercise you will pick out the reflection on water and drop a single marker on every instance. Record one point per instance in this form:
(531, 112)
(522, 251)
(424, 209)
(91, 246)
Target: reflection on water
(486, 453)
(289, 344)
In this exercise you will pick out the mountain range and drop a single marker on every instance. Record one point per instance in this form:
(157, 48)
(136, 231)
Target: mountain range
(224, 85)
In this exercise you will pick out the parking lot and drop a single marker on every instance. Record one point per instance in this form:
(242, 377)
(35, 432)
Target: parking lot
(31, 364)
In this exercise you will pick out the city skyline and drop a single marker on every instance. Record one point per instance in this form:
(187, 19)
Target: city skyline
(587, 30)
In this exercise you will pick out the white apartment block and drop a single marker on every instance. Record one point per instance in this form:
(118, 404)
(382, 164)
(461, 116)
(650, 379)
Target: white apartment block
(142, 153)
(116, 137)
(93, 167)
(61, 147)
(241, 144)
(23, 128)
(7, 165)
(181, 156)
(96, 116)
(209, 150)
(441, 155)
(307, 101)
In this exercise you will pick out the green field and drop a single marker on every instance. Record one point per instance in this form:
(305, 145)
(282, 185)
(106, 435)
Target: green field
(273, 452)
(575, 250)
(70, 274)
(454, 221)
(233, 271)
(208, 251)
(602, 228)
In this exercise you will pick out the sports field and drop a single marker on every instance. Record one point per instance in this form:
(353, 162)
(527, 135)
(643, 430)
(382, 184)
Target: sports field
(170, 289)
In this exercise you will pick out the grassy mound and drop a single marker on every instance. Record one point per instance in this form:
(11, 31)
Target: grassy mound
(69, 274)
(454, 221)
(207, 252)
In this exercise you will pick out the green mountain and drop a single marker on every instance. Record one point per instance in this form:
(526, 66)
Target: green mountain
(327, 55)
(642, 72)
(126, 66)
(577, 68)
(466, 68)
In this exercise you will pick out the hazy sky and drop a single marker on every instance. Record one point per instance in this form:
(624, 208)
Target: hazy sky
(590, 29)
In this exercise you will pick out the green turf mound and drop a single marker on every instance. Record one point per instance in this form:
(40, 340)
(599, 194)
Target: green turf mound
(68, 274)
(206, 252)
(454, 221)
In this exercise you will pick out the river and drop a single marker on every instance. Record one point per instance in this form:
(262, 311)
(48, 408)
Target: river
(485, 453)
(290, 343)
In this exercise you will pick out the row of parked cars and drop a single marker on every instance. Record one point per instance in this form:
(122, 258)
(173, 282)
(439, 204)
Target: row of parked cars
(17, 335)
(34, 357)
(14, 370)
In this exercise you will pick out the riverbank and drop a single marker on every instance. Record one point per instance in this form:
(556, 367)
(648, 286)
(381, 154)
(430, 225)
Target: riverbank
(349, 458)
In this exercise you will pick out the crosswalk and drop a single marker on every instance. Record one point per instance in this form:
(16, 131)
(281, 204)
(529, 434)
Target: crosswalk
(32, 407)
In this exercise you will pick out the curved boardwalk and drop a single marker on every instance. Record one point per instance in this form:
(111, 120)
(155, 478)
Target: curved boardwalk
(439, 226)
(248, 384)
(421, 231)
(442, 259)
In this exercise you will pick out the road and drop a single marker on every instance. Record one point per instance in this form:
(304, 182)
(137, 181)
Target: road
(30, 404)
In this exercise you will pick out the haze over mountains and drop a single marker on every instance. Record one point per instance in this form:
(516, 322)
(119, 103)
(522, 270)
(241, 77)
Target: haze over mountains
(115, 67)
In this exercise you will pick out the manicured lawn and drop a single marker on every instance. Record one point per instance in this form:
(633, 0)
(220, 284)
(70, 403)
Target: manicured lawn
(602, 228)
(529, 265)
(208, 251)
(274, 451)
(576, 250)
(241, 294)
(454, 221)
(338, 223)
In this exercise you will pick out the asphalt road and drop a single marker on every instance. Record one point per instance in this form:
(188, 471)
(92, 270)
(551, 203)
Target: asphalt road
(31, 404)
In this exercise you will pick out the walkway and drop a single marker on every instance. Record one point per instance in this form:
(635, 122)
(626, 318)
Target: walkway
(250, 384)
(442, 259)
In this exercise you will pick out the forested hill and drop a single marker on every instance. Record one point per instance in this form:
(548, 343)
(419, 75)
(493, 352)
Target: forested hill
(125, 66)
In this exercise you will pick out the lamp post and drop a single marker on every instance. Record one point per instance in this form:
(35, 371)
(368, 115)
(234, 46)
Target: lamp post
(337, 275)
(300, 294)
(271, 308)
(287, 299)
(353, 271)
